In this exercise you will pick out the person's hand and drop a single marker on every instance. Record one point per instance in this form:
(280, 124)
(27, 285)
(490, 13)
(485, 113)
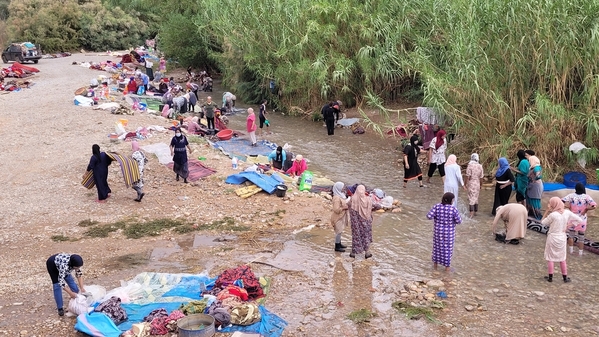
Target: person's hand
(407, 166)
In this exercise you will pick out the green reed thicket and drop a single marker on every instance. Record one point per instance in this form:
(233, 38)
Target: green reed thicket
(510, 74)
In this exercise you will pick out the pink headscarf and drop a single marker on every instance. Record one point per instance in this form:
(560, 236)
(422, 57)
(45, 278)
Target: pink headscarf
(134, 146)
(361, 203)
(452, 159)
(556, 204)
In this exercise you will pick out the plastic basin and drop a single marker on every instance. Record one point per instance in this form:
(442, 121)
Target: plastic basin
(225, 134)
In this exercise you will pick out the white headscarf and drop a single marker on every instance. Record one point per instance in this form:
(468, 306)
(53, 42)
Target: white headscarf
(474, 158)
(338, 190)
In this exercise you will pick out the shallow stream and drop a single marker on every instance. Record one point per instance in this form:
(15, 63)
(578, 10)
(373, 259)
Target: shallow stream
(504, 282)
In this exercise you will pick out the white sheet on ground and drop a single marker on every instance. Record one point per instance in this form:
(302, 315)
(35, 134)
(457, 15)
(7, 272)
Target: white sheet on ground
(348, 121)
(161, 150)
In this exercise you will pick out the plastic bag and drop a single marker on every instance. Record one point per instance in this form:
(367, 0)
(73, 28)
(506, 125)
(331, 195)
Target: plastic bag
(119, 129)
(306, 181)
(95, 292)
(78, 305)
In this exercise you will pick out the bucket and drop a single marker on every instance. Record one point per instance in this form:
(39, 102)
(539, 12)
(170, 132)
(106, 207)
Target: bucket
(196, 325)
(573, 178)
(280, 190)
(123, 121)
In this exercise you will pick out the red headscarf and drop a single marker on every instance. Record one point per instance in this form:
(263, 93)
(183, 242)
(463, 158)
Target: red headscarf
(440, 139)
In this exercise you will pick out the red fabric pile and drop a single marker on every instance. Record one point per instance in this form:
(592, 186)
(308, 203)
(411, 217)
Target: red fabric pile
(244, 273)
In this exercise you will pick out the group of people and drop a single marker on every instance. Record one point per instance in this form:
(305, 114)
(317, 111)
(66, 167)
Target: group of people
(449, 170)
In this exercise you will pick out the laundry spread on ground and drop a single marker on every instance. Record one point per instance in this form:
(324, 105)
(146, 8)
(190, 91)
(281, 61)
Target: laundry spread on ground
(152, 303)
(197, 170)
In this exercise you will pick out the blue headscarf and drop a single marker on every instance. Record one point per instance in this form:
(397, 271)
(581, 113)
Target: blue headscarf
(504, 165)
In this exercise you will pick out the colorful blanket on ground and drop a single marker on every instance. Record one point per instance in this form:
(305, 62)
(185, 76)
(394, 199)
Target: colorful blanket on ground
(129, 168)
(169, 291)
(537, 226)
(197, 170)
(243, 147)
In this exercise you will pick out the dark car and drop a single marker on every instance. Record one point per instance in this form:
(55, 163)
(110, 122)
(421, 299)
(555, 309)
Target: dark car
(24, 51)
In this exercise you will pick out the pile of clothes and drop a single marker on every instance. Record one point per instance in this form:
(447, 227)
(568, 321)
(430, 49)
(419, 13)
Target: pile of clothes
(14, 85)
(18, 70)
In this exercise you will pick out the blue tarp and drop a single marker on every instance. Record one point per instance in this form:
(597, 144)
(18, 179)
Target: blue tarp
(270, 325)
(137, 312)
(190, 287)
(548, 187)
(182, 287)
(97, 324)
(266, 182)
(243, 147)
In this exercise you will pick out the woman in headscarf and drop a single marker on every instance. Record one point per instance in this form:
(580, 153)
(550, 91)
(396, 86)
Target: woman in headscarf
(277, 158)
(474, 173)
(132, 86)
(60, 266)
(521, 176)
(298, 167)
(436, 155)
(340, 216)
(98, 163)
(453, 178)
(557, 218)
(579, 203)
(445, 217)
(534, 189)
(141, 160)
(410, 161)
(179, 147)
(514, 217)
(503, 182)
(360, 215)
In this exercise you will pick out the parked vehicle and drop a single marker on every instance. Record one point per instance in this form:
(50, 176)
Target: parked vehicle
(21, 52)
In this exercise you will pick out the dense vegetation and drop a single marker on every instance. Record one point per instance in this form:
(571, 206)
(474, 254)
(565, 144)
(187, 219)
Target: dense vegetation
(510, 74)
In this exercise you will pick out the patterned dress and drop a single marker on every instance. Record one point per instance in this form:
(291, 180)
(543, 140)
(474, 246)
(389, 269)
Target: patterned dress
(578, 203)
(361, 232)
(475, 174)
(445, 217)
(141, 160)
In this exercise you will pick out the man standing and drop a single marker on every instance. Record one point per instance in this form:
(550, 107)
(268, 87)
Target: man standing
(208, 110)
(328, 113)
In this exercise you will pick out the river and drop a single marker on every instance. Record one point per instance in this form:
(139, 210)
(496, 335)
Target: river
(504, 283)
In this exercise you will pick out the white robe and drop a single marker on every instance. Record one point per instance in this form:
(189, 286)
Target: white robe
(453, 181)
(555, 247)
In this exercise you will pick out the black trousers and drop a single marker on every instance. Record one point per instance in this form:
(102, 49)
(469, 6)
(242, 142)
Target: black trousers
(210, 122)
(330, 126)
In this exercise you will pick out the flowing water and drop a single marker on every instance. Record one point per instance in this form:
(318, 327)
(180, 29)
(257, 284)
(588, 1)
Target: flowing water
(504, 283)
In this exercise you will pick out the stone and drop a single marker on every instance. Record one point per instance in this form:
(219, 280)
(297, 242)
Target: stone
(564, 329)
(469, 307)
(538, 293)
(435, 283)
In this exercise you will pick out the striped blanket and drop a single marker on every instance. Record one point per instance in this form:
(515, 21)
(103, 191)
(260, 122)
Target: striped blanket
(129, 168)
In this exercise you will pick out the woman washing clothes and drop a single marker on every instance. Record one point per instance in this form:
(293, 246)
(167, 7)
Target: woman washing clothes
(60, 266)
(298, 167)
(360, 214)
(277, 158)
(504, 178)
(410, 161)
(98, 164)
(179, 147)
(340, 216)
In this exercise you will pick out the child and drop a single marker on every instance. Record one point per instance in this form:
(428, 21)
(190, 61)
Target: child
(555, 247)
